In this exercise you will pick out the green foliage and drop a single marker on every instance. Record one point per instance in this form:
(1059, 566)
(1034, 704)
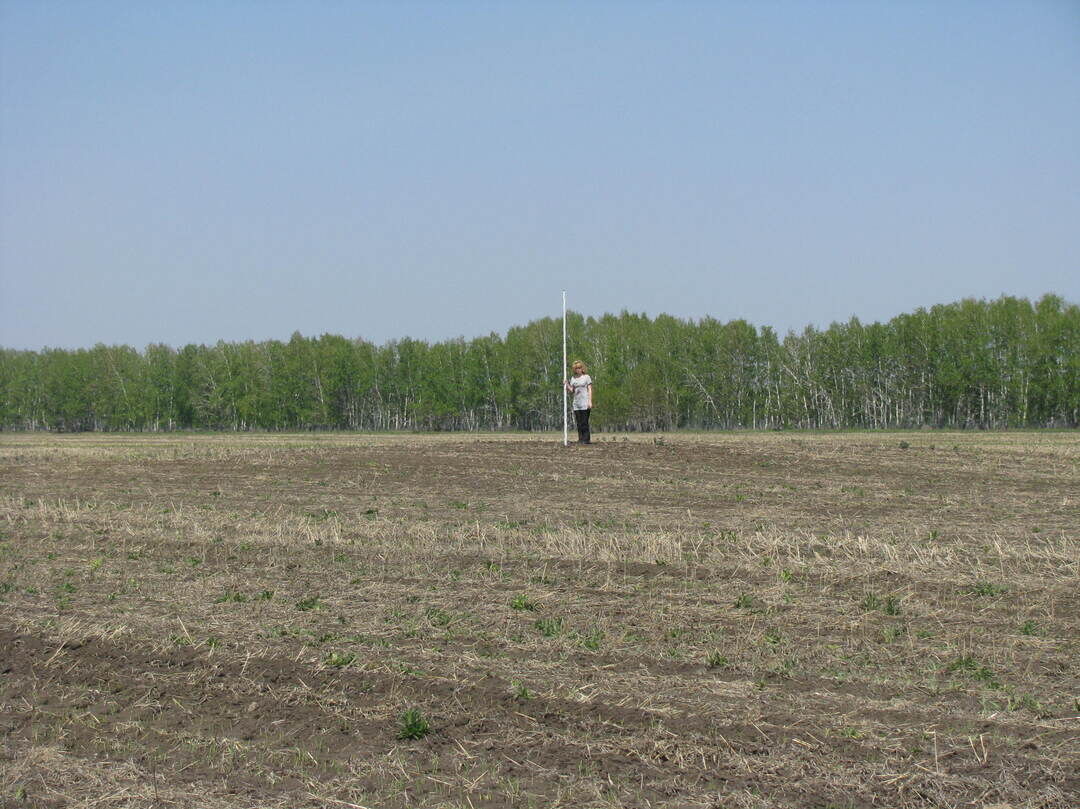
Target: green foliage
(986, 588)
(413, 725)
(715, 660)
(340, 659)
(522, 602)
(744, 601)
(549, 627)
(1030, 627)
(975, 363)
(966, 664)
(438, 617)
(230, 596)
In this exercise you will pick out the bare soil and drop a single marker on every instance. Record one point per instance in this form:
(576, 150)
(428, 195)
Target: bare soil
(729, 620)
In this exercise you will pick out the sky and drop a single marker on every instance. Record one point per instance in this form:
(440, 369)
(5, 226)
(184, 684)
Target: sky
(190, 172)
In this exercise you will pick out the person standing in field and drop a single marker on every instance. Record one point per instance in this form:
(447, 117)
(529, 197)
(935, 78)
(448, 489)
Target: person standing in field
(580, 386)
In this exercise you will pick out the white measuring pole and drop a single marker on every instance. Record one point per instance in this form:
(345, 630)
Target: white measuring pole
(565, 426)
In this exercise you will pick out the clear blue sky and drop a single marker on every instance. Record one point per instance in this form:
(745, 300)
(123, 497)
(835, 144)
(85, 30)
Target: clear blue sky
(195, 171)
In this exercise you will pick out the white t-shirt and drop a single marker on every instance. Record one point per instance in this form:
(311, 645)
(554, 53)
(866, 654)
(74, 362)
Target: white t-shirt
(580, 387)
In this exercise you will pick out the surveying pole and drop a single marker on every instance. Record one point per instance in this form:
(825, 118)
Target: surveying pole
(565, 426)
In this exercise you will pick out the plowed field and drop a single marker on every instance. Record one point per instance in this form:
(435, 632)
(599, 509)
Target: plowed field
(733, 620)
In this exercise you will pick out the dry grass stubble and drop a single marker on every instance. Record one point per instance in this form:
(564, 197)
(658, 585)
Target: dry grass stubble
(712, 621)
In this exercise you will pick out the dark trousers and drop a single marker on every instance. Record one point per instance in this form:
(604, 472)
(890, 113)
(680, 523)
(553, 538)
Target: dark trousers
(581, 419)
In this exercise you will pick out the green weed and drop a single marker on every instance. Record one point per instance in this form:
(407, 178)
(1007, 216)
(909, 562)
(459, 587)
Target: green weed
(549, 627)
(309, 603)
(592, 639)
(231, 597)
(412, 725)
(744, 601)
(985, 588)
(340, 659)
(523, 602)
(715, 660)
(438, 617)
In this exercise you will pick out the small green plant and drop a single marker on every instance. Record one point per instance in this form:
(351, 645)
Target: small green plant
(592, 639)
(893, 633)
(715, 660)
(520, 691)
(772, 637)
(786, 576)
(340, 659)
(263, 595)
(966, 664)
(985, 588)
(1030, 627)
(549, 627)
(413, 725)
(523, 602)
(231, 596)
(309, 603)
(744, 601)
(891, 606)
(438, 617)
(1027, 702)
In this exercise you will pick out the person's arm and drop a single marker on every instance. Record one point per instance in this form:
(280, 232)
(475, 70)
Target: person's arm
(590, 395)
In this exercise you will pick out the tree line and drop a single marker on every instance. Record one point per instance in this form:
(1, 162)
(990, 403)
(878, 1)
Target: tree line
(969, 364)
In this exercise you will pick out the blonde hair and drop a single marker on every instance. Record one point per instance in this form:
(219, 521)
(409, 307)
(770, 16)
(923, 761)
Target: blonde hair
(579, 364)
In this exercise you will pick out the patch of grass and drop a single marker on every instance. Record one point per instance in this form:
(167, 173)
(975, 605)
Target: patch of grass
(592, 639)
(412, 725)
(1030, 627)
(340, 659)
(985, 588)
(890, 605)
(438, 617)
(744, 601)
(523, 602)
(549, 627)
(893, 633)
(966, 664)
(309, 603)
(715, 660)
(1026, 702)
(231, 596)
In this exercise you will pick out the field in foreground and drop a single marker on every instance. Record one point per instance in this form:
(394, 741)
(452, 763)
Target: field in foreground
(778, 620)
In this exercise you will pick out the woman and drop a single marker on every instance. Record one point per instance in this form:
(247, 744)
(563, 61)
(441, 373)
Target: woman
(580, 385)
